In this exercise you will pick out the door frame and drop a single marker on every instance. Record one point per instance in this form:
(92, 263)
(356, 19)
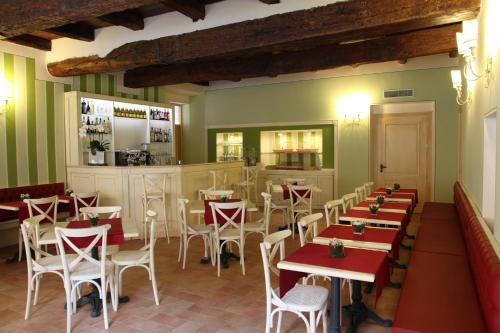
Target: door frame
(405, 107)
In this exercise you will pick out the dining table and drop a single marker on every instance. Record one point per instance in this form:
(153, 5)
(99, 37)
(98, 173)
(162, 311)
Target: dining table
(358, 265)
(412, 191)
(394, 197)
(393, 207)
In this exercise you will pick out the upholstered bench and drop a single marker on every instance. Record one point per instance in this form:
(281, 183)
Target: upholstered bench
(453, 280)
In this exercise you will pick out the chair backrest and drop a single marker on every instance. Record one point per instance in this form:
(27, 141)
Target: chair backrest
(294, 181)
(66, 236)
(217, 194)
(272, 245)
(47, 207)
(219, 179)
(348, 201)
(182, 216)
(360, 192)
(112, 212)
(269, 186)
(369, 187)
(301, 196)
(267, 210)
(332, 213)
(310, 222)
(30, 229)
(85, 200)
(250, 174)
(154, 183)
(236, 220)
(151, 217)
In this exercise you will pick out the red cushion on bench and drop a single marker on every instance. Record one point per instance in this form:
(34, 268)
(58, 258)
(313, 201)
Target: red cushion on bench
(439, 210)
(438, 296)
(444, 238)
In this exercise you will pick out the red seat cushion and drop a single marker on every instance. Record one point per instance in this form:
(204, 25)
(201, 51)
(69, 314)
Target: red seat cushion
(444, 238)
(438, 210)
(438, 296)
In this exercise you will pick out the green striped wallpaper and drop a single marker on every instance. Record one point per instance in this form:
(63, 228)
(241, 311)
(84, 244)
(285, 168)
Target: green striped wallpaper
(32, 149)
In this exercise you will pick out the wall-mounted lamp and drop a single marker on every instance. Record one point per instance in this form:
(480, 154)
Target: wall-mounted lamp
(5, 93)
(467, 44)
(354, 108)
(456, 79)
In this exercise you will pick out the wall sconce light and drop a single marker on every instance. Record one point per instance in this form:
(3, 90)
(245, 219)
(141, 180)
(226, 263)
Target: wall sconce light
(352, 118)
(467, 44)
(5, 92)
(456, 79)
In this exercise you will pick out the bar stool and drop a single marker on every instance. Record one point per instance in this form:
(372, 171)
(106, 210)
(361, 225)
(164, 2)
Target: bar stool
(154, 189)
(249, 175)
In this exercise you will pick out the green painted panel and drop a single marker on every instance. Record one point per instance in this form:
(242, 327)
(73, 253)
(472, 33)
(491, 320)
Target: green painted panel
(97, 83)
(10, 122)
(111, 85)
(83, 83)
(145, 93)
(67, 87)
(31, 120)
(51, 135)
(156, 94)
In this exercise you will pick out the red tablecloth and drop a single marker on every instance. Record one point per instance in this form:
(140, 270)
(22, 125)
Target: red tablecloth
(356, 260)
(395, 195)
(115, 234)
(286, 193)
(413, 191)
(390, 205)
(209, 219)
(365, 214)
(376, 235)
(23, 212)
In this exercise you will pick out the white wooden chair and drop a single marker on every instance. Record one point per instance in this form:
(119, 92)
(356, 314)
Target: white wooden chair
(301, 299)
(249, 176)
(279, 205)
(232, 231)
(144, 257)
(301, 197)
(42, 263)
(219, 179)
(49, 213)
(361, 193)
(154, 189)
(310, 223)
(84, 200)
(348, 201)
(190, 231)
(369, 187)
(261, 226)
(85, 269)
(332, 213)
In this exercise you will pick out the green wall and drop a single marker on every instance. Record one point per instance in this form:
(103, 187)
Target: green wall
(32, 149)
(251, 139)
(329, 99)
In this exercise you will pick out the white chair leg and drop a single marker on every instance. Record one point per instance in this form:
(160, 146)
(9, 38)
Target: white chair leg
(117, 284)
(155, 287)
(280, 317)
(242, 255)
(104, 304)
(268, 316)
(37, 289)
(184, 251)
(205, 245)
(217, 253)
(20, 250)
(312, 322)
(68, 310)
(324, 319)
(28, 300)
(180, 247)
(166, 222)
(112, 290)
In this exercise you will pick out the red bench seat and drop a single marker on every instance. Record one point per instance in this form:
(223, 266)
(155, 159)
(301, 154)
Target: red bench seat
(440, 212)
(444, 238)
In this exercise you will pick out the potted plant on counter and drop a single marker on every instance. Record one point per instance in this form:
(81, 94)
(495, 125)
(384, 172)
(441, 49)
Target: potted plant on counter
(97, 145)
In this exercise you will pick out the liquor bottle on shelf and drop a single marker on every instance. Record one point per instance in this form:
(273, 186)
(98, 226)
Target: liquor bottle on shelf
(84, 107)
(167, 118)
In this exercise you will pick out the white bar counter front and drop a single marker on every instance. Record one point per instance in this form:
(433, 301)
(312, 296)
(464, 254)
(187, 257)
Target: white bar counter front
(122, 186)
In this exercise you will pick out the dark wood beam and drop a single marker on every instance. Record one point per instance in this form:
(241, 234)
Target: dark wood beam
(194, 9)
(403, 46)
(32, 41)
(270, 2)
(340, 21)
(128, 19)
(25, 16)
(79, 30)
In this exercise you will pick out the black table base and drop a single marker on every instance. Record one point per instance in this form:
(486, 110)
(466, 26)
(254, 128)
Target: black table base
(95, 302)
(225, 256)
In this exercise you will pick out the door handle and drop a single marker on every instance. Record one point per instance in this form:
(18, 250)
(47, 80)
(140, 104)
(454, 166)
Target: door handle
(382, 167)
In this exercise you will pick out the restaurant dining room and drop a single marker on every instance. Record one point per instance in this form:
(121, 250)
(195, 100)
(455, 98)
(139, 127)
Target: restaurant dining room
(253, 166)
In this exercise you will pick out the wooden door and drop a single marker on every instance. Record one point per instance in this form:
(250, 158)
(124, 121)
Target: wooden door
(403, 151)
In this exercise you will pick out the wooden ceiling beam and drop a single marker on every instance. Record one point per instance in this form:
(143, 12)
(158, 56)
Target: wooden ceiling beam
(340, 21)
(26, 16)
(404, 46)
(80, 30)
(193, 9)
(128, 19)
(32, 41)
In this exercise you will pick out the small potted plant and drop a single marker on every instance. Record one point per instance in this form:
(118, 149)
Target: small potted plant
(388, 191)
(94, 219)
(397, 186)
(380, 200)
(223, 199)
(336, 249)
(24, 196)
(373, 209)
(97, 145)
(358, 227)
(68, 191)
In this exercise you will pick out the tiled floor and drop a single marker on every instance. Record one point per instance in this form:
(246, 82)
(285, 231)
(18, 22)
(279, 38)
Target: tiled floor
(191, 300)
